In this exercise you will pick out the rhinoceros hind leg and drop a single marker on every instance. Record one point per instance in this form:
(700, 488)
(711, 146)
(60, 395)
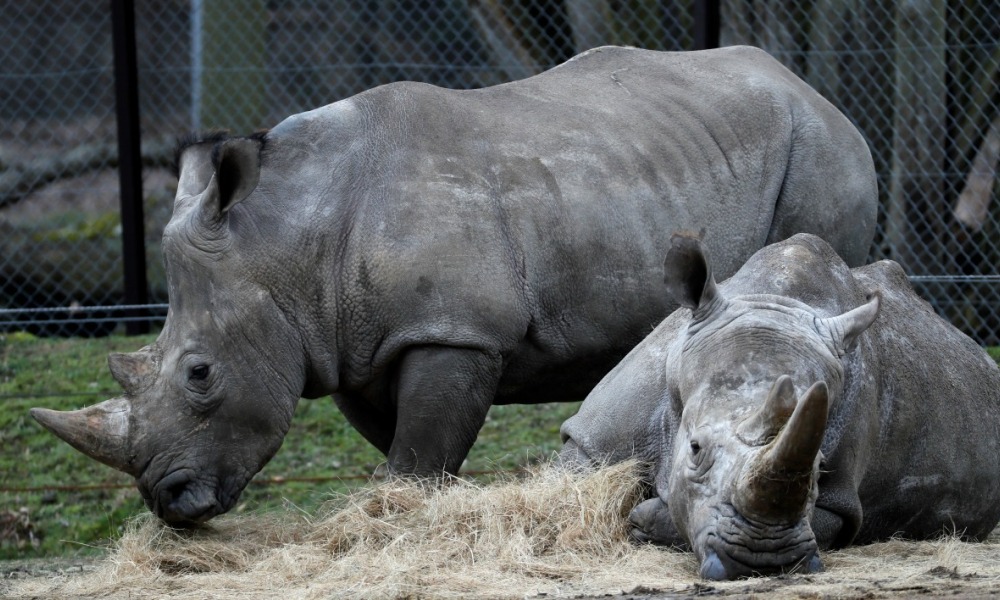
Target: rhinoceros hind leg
(651, 523)
(442, 397)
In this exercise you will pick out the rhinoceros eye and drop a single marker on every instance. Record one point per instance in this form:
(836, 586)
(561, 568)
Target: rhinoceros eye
(695, 448)
(199, 372)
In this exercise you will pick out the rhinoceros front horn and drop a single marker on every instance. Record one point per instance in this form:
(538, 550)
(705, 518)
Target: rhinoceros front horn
(100, 431)
(781, 478)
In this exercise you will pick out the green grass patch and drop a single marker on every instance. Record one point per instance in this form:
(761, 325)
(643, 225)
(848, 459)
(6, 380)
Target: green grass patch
(66, 374)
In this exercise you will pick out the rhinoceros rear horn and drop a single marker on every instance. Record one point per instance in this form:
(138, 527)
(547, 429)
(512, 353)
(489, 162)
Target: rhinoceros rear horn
(100, 431)
(781, 478)
(765, 423)
(134, 371)
(688, 275)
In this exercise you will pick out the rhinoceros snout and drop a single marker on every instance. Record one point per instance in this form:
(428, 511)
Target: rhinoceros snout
(713, 569)
(179, 501)
(721, 567)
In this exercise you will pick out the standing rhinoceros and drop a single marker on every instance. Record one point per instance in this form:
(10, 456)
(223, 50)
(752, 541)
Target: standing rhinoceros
(799, 405)
(423, 253)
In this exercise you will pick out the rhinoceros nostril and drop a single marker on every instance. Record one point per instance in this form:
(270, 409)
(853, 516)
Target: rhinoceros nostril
(712, 568)
(181, 502)
(173, 492)
(814, 564)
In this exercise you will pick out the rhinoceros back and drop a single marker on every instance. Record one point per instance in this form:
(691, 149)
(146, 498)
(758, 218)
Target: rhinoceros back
(938, 449)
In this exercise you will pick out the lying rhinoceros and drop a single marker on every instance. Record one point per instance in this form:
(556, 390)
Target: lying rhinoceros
(424, 253)
(784, 412)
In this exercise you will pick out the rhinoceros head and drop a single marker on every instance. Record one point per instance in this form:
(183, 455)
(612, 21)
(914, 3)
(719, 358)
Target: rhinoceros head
(209, 402)
(755, 377)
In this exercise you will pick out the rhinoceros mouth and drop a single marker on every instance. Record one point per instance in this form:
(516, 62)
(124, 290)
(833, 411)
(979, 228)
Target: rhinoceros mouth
(186, 497)
(740, 547)
(183, 499)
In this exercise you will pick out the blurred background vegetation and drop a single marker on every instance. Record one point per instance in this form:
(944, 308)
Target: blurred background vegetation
(920, 79)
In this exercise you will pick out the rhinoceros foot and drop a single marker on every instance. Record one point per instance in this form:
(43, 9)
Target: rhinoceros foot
(652, 524)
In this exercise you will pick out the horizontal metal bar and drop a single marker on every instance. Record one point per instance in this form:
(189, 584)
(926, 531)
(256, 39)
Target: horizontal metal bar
(87, 394)
(955, 278)
(76, 309)
(83, 321)
(258, 481)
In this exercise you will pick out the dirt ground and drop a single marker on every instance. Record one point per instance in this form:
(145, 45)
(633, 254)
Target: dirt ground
(551, 536)
(935, 583)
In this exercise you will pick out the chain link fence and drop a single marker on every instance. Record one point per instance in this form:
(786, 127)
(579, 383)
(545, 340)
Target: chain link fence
(918, 77)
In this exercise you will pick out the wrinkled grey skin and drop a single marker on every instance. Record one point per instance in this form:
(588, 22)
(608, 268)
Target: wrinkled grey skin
(423, 253)
(905, 433)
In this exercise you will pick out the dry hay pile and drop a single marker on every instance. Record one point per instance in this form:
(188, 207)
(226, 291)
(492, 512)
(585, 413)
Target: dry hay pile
(548, 535)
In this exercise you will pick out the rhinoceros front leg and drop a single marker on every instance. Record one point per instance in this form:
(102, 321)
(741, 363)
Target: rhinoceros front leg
(373, 424)
(442, 397)
(836, 518)
(651, 523)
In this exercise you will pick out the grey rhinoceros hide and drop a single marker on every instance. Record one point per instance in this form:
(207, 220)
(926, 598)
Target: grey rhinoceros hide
(799, 405)
(423, 253)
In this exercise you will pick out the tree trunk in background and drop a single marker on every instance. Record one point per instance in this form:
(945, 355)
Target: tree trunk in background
(677, 24)
(829, 20)
(590, 21)
(499, 35)
(736, 23)
(776, 26)
(974, 202)
(916, 199)
(233, 79)
(978, 77)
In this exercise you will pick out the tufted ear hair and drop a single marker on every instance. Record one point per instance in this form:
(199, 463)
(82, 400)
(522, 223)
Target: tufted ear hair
(688, 275)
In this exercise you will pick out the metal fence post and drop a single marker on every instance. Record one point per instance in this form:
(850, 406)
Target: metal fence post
(707, 22)
(129, 161)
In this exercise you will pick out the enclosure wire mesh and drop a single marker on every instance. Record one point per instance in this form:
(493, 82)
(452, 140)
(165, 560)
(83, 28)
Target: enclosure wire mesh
(919, 78)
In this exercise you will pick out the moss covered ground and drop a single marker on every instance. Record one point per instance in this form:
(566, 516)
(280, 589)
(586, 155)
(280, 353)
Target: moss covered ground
(56, 502)
(40, 517)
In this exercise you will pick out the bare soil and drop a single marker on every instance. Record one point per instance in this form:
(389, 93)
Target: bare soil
(551, 535)
(938, 582)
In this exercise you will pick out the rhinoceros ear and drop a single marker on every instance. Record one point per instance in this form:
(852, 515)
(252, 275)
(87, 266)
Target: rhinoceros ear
(844, 329)
(237, 169)
(236, 163)
(688, 275)
(194, 171)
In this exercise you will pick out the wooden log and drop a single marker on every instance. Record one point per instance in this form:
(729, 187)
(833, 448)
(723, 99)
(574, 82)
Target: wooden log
(972, 206)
